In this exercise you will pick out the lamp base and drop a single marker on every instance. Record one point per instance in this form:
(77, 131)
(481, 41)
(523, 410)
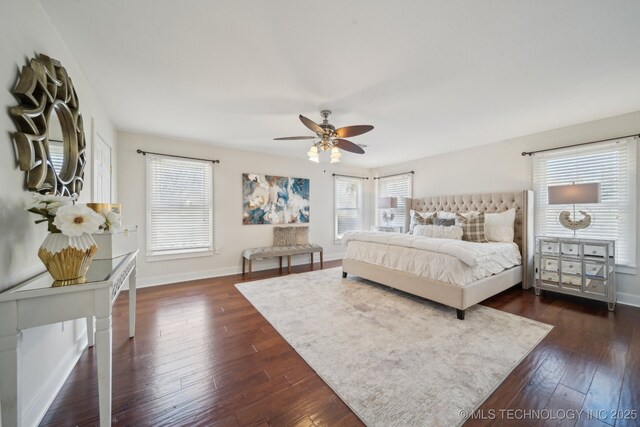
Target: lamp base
(388, 216)
(565, 220)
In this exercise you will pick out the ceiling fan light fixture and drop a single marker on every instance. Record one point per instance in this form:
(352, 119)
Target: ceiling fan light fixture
(313, 154)
(335, 155)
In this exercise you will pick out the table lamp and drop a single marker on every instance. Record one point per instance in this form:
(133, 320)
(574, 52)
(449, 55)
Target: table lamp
(574, 194)
(387, 203)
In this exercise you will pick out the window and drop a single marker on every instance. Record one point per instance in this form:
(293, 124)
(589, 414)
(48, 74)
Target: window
(179, 207)
(399, 186)
(613, 165)
(349, 213)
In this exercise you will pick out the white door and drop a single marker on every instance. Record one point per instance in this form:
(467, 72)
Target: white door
(102, 171)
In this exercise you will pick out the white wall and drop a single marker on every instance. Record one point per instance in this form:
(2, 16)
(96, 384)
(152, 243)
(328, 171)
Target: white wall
(49, 352)
(501, 167)
(231, 236)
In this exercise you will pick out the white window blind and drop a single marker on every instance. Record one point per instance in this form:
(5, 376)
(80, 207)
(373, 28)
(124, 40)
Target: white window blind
(179, 206)
(399, 186)
(349, 206)
(613, 165)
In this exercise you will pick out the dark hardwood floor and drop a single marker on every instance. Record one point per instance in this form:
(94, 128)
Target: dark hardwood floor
(203, 356)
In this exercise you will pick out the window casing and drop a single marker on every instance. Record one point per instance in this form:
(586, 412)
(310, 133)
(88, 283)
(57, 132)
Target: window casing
(349, 205)
(179, 207)
(399, 186)
(613, 165)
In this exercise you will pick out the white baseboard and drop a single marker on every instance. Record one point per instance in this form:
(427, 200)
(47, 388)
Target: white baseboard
(35, 412)
(629, 299)
(145, 282)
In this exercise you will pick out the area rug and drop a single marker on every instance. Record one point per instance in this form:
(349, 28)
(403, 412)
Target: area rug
(394, 359)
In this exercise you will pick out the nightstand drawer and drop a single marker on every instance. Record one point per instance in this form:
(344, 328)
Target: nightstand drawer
(570, 249)
(550, 264)
(595, 269)
(571, 266)
(595, 250)
(549, 277)
(549, 247)
(571, 281)
(596, 286)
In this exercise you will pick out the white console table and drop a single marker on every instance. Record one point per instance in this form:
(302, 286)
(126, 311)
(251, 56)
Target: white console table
(35, 303)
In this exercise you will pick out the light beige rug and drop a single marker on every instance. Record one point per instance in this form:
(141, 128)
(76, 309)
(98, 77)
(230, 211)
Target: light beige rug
(394, 359)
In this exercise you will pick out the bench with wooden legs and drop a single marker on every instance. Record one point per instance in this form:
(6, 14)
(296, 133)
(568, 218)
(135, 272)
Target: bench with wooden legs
(253, 254)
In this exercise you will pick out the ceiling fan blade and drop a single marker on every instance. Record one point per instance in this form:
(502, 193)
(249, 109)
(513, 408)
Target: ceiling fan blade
(345, 145)
(311, 124)
(292, 138)
(349, 131)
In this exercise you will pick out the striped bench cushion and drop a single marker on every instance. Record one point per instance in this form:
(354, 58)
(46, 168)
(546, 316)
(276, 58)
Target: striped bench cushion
(276, 251)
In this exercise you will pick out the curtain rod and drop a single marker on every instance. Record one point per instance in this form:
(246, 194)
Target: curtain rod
(144, 153)
(395, 174)
(531, 153)
(350, 176)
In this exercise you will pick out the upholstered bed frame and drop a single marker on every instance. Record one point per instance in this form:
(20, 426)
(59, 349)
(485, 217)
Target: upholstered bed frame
(462, 297)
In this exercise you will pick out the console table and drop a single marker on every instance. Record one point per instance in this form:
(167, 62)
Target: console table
(35, 303)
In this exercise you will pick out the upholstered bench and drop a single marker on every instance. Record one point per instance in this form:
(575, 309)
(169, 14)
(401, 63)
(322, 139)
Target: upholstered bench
(288, 241)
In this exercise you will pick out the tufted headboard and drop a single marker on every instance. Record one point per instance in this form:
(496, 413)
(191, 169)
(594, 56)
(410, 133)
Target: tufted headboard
(522, 201)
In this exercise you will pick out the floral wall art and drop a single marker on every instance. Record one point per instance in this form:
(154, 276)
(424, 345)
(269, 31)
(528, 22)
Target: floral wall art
(268, 199)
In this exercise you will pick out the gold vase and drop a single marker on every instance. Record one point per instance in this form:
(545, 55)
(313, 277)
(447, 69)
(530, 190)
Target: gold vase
(67, 258)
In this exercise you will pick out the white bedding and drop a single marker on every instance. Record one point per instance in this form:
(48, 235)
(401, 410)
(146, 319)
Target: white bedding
(446, 260)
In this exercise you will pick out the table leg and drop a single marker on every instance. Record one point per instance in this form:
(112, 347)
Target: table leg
(311, 260)
(103, 346)
(132, 302)
(280, 263)
(91, 330)
(10, 385)
(321, 261)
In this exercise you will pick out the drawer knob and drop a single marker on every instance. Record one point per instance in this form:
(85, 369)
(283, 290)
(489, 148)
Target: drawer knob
(594, 252)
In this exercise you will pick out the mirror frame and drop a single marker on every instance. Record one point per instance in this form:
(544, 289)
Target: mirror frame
(44, 88)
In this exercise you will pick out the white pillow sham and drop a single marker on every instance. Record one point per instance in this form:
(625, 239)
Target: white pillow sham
(499, 227)
(439, 231)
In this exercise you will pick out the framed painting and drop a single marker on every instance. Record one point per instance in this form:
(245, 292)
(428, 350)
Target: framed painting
(269, 199)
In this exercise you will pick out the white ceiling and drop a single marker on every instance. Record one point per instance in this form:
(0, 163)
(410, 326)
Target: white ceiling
(431, 76)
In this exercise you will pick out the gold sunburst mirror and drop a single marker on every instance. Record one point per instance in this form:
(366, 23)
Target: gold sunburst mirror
(50, 144)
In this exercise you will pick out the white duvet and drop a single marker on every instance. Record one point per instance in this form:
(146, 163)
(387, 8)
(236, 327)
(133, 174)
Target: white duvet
(451, 261)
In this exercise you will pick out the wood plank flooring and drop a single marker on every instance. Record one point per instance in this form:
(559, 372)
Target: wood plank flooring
(203, 356)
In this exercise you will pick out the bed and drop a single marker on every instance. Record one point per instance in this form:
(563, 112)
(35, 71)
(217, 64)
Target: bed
(457, 295)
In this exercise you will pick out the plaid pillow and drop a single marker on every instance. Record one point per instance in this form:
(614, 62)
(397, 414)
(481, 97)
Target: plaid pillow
(472, 228)
(420, 218)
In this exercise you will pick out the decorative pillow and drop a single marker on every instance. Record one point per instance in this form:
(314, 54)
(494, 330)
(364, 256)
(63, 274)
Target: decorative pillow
(420, 218)
(446, 215)
(472, 229)
(499, 227)
(446, 222)
(284, 236)
(302, 235)
(439, 231)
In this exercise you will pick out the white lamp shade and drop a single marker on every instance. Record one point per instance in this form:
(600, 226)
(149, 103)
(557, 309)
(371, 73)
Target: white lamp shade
(574, 194)
(387, 202)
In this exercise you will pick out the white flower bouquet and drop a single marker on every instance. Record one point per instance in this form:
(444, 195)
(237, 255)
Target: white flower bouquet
(64, 217)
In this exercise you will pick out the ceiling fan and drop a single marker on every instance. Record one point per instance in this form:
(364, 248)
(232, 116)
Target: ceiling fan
(330, 138)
